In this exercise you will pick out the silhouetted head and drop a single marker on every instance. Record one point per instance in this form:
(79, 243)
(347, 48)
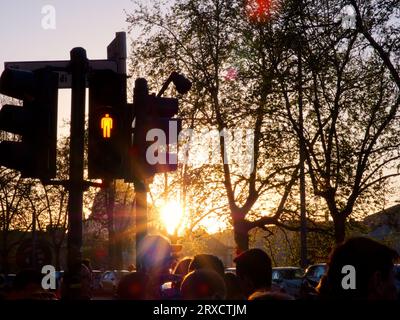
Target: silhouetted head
(87, 263)
(270, 295)
(182, 268)
(207, 261)
(254, 269)
(76, 283)
(133, 286)
(155, 254)
(203, 284)
(360, 268)
(233, 287)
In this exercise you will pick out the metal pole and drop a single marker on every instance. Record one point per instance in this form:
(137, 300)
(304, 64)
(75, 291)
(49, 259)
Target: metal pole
(110, 200)
(303, 214)
(141, 215)
(79, 64)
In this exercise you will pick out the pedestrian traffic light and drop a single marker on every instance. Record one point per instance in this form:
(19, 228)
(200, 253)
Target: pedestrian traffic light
(108, 135)
(163, 131)
(34, 153)
(155, 130)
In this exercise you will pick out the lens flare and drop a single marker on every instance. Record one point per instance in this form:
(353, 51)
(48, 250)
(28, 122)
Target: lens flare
(171, 216)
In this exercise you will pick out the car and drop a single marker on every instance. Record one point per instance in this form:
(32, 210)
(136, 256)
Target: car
(230, 270)
(110, 279)
(311, 280)
(288, 279)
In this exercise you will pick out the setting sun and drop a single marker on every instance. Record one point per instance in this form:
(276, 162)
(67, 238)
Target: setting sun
(175, 222)
(171, 215)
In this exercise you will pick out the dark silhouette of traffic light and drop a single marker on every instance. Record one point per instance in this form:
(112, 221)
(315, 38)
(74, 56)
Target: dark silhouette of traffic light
(34, 154)
(108, 125)
(163, 131)
(155, 129)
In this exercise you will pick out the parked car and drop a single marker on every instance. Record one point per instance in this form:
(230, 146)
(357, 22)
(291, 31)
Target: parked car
(231, 270)
(110, 279)
(288, 279)
(311, 279)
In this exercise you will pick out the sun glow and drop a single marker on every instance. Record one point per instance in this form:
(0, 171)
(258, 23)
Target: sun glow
(172, 217)
(175, 222)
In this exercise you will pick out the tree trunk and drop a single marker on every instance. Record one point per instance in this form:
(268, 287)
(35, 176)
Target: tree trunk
(241, 235)
(340, 231)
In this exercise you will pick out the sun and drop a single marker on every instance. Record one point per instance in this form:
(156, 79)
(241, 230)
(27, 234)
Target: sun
(171, 215)
(175, 222)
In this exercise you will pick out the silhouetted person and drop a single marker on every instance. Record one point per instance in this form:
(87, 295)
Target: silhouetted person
(270, 295)
(254, 269)
(182, 267)
(374, 275)
(181, 270)
(207, 261)
(133, 286)
(233, 287)
(155, 259)
(76, 283)
(203, 284)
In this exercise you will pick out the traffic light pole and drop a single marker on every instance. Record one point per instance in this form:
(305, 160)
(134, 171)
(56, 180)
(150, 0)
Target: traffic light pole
(79, 64)
(141, 215)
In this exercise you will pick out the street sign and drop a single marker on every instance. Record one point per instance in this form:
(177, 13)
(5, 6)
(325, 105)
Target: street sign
(116, 51)
(60, 67)
(116, 61)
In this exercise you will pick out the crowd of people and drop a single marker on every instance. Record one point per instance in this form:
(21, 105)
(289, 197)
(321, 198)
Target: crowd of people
(203, 277)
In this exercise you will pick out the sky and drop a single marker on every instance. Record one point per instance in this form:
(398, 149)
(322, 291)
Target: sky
(27, 34)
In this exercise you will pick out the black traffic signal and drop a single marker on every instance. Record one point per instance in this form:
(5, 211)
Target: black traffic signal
(34, 154)
(108, 125)
(155, 130)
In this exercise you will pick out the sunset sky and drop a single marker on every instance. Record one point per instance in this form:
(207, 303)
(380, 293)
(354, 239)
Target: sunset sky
(90, 24)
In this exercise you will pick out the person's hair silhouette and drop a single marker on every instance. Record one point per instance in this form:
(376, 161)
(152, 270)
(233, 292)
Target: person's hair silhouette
(373, 266)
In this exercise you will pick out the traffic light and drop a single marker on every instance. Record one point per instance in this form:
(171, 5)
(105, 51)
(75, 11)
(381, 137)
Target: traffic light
(108, 125)
(154, 131)
(162, 125)
(34, 155)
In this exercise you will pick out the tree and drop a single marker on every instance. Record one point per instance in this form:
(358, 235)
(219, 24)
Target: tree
(15, 212)
(53, 199)
(201, 38)
(296, 57)
(351, 136)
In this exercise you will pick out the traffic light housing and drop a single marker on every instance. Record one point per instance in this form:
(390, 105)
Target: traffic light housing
(34, 154)
(108, 125)
(162, 112)
(155, 129)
